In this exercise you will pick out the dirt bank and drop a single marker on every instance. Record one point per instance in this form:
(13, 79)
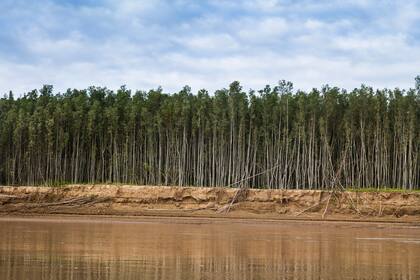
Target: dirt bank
(209, 202)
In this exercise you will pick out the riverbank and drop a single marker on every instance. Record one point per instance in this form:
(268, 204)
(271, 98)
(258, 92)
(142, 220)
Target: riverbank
(124, 200)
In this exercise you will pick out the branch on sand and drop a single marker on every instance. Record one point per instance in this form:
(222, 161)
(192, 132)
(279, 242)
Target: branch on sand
(78, 201)
(242, 192)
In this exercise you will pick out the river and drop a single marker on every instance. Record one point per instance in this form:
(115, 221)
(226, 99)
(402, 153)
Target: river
(192, 248)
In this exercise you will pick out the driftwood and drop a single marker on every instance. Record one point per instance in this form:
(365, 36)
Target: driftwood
(242, 192)
(8, 196)
(310, 207)
(326, 207)
(78, 201)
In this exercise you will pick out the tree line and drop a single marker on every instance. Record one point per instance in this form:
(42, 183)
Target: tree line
(272, 138)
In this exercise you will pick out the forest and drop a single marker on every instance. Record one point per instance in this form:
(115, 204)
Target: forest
(276, 137)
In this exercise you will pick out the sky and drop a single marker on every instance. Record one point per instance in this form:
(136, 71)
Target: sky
(208, 43)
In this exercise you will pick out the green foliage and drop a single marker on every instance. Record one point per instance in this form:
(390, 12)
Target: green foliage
(381, 190)
(271, 138)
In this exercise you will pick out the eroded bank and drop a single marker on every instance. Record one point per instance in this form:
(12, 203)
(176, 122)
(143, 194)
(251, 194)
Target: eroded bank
(127, 200)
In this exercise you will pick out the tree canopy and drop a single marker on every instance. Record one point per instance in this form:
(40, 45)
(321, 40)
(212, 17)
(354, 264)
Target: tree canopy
(293, 139)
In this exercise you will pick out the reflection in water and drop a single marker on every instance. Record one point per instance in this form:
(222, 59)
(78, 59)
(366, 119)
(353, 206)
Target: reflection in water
(82, 248)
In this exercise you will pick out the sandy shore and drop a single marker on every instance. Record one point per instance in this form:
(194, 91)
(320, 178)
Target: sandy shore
(124, 200)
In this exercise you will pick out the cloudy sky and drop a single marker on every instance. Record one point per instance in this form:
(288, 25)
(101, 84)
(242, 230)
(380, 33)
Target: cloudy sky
(208, 43)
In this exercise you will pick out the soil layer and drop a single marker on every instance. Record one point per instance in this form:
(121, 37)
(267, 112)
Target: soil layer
(124, 200)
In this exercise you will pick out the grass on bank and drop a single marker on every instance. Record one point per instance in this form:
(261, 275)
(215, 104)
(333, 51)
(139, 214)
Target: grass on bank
(56, 184)
(384, 189)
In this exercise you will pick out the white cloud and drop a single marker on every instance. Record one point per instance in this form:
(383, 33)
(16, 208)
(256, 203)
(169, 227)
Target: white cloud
(260, 29)
(263, 5)
(132, 7)
(209, 42)
(313, 24)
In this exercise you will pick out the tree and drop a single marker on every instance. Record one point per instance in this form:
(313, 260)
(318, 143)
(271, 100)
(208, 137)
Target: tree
(271, 138)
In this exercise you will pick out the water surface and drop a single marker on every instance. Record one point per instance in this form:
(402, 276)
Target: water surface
(168, 248)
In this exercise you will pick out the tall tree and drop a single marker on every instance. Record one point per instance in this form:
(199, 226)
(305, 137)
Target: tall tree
(270, 138)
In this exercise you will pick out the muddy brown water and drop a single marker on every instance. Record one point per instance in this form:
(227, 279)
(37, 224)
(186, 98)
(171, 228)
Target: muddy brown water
(192, 248)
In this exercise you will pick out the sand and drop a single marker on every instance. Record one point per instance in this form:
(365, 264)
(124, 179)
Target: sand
(127, 200)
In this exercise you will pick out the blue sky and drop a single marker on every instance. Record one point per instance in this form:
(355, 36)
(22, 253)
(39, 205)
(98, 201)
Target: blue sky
(207, 44)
